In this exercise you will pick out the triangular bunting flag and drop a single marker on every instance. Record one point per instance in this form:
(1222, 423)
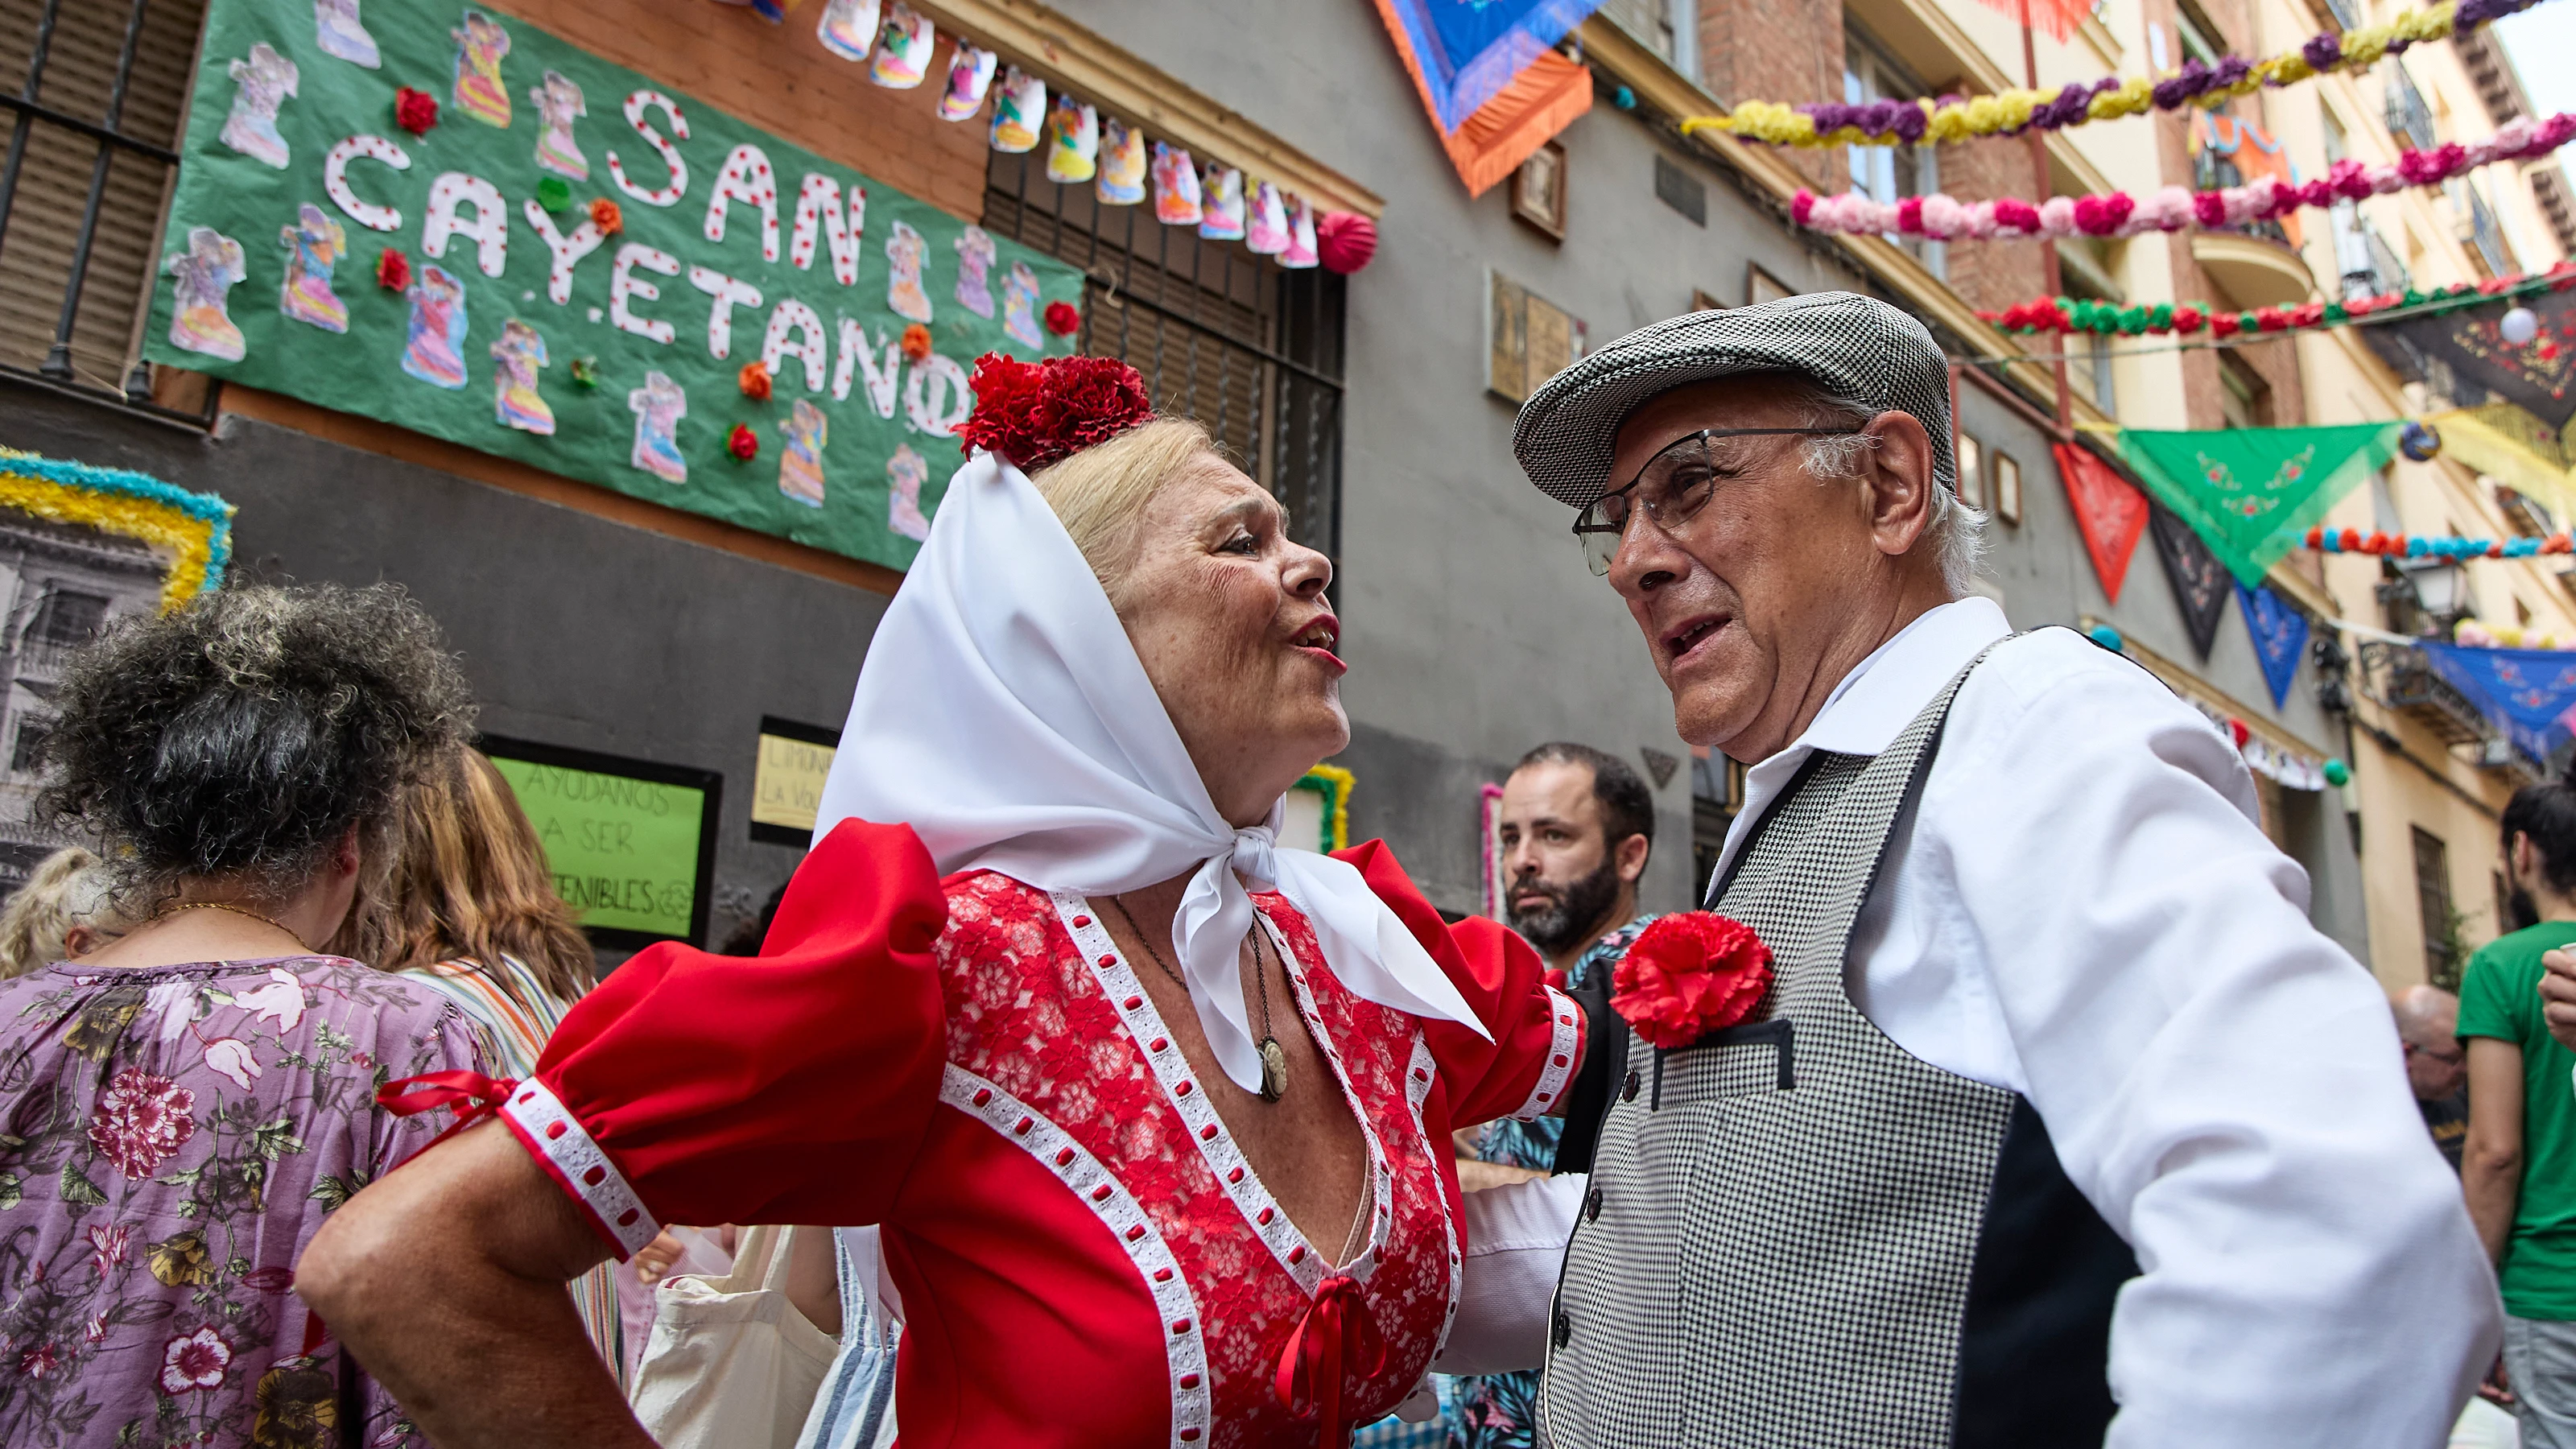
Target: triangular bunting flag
(1488, 73)
(2280, 635)
(2527, 693)
(2252, 493)
(2199, 579)
(2109, 510)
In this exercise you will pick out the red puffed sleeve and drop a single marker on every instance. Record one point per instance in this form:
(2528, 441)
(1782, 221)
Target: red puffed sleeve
(789, 1087)
(1538, 1031)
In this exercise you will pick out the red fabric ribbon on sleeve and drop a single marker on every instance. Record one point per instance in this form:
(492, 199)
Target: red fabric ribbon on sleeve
(1336, 1336)
(473, 1095)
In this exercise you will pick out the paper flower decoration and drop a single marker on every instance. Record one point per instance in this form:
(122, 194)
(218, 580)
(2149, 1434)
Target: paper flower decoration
(415, 111)
(585, 372)
(554, 193)
(916, 342)
(605, 215)
(1345, 240)
(393, 270)
(742, 442)
(754, 380)
(1039, 413)
(1688, 975)
(1062, 319)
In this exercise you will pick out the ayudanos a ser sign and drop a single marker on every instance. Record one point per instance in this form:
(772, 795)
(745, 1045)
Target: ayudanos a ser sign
(571, 268)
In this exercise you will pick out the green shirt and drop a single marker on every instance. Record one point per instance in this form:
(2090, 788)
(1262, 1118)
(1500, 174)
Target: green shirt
(2500, 998)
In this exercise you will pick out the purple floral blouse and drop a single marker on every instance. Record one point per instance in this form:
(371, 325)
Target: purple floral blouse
(170, 1139)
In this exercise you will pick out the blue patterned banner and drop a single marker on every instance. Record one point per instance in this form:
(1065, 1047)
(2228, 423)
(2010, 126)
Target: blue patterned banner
(2525, 692)
(1463, 52)
(2280, 635)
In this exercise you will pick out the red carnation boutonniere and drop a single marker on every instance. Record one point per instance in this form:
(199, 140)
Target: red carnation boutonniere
(1689, 975)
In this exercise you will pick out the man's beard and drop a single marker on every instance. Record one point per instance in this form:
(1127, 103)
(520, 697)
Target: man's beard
(1574, 910)
(2526, 912)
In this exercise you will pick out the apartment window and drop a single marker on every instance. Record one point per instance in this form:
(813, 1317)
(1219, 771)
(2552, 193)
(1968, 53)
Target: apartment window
(1249, 348)
(2201, 40)
(2245, 394)
(1889, 173)
(2443, 949)
(93, 98)
(2007, 489)
(27, 750)
(1668, 27)
(1972, 472)
(67, 616)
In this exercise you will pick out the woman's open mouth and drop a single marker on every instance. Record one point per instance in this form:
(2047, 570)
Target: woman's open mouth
(1319, 639)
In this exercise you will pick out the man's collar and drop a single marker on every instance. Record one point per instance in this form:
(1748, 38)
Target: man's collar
(1884, 692)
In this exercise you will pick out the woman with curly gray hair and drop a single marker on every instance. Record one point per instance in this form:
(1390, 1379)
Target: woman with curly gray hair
(187, 1102)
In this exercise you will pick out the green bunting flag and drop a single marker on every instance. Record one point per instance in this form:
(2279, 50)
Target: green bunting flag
(2252, 493)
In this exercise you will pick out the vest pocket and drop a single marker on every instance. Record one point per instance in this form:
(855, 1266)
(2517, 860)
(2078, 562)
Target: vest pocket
(1741, 1061)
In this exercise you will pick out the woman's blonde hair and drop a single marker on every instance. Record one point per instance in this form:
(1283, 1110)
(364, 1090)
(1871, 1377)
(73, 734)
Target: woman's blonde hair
(68, 888)
(470, 882)
(1100, 493)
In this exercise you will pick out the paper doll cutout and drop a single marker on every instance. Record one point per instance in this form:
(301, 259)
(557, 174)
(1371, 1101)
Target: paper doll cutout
(435, 349)
(1122, 164)
(906, 471)
(800, 463)
(558, 101)
(261, 83)
(314, 245)
(975, 253)
(903, 49)
(1020, 305)
(1266, 231)
(970, 75)
(1221, 203)
(1017, 111)
(1073, 141)
(203, 277)
(905, 254)
(1176, 187)
(479, 91)
(1301, 234)
(848, 28)
(337, 31)
(658, 407)
(517, 356)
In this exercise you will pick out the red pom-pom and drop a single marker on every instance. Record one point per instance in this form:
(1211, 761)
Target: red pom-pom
(2187, 320)
(393, 270)
(2316, 538)
(1039, 413)
(916, 342)
(605, 215)
(1345, 240)
(2237, 731)
(742, 442)
(415, 111)
(1062, 319)
(2351, 540)
(754, 381)
(1688, 975)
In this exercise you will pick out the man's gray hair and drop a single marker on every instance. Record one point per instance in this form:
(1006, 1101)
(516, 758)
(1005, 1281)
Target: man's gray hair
(1957, 532)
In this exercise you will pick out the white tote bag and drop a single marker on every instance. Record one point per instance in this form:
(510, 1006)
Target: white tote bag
(732, 1364)
(854, 1409)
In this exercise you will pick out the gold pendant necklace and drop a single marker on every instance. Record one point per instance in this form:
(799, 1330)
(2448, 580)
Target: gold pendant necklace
(1274, 1058)
(265, 920)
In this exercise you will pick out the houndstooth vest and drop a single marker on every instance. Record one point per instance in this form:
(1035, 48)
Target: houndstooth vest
(1797, 1235)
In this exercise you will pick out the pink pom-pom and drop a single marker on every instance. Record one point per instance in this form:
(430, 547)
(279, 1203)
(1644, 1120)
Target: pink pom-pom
(1909, 216)
(2057, 216)
(2018, 215)
(1802, 207)
(2209, 208)
(1944, 217)
(2170, 208)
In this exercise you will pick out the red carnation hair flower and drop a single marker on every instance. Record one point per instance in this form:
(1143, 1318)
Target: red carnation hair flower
(1039, 413)
(1689, 975)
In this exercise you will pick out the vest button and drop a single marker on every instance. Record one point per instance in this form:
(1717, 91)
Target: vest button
(1564, 1328)
(1628, 1089)
(1592, 1205)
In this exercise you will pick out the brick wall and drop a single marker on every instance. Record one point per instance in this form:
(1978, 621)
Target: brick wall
(1993, 274)
(1777, 50)
(780, 79)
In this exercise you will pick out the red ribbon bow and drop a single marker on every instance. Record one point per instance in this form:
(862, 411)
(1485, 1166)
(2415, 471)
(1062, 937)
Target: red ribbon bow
(1336, 1336)
(473, 1095)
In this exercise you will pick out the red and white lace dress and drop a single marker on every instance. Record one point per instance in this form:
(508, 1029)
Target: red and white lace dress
(1085, 1256)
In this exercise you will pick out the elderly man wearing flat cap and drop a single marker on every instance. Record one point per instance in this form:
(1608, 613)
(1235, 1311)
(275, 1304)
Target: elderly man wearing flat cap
(2061, 1124)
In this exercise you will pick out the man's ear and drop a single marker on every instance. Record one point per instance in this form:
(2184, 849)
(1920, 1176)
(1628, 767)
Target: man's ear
(1631, 858)
(1900, 474)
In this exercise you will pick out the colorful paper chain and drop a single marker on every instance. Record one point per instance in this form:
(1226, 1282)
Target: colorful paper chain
(197, 528)
(1895, 123)
(2407, 545)
(2175, 208)
(2184, 319)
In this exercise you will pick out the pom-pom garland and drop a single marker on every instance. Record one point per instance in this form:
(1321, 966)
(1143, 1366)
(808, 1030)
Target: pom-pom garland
(2117, 214)
(742, 442)
(916, 342)
(2197, 83)
(393, 270)
(415, 111)
(1034, 414)
(2403, 545)
(1690, 974)
(2077, 314)
(1062, 319)
(606, 215)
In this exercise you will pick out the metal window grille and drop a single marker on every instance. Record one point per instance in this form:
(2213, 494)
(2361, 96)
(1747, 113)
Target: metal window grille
(1248, 348)
(92, 134)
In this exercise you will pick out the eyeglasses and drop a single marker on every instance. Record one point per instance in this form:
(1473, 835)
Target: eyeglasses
(1671, 489)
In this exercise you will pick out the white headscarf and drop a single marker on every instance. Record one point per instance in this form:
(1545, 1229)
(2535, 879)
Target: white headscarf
(1003, 715)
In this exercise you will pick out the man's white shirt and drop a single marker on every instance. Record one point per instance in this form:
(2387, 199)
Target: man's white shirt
(2086, 911)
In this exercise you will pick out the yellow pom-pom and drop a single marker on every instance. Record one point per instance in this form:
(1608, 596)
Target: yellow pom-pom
(1985, 115)
(1949, 123)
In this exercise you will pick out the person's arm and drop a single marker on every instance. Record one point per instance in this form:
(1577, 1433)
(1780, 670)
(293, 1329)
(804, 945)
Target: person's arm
(446, 1280)
(2558, 997)
(2491, 1163)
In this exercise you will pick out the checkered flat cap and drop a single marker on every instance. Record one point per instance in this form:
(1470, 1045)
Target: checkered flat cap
(1856, 347)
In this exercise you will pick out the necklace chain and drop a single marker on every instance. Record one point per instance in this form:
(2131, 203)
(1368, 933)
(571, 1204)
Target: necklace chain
(1274, 1070)
(267, 920)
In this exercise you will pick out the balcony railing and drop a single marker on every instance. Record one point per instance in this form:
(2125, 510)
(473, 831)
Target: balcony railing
(2408, 116)
(2402, 681)
(2488, 235)
(2374, 270)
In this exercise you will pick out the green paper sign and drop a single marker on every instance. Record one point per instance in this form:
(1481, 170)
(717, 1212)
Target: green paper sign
(525, 327)
(2253, 493)
(624, 851)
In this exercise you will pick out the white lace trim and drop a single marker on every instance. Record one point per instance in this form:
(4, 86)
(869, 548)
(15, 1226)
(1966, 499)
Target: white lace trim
(1417, 1088)
(1184, 1335)
(576, 1162)
(1565, 1033)
(1127, 996)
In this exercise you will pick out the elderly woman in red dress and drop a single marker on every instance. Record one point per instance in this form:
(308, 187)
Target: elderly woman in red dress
(1153, 1110)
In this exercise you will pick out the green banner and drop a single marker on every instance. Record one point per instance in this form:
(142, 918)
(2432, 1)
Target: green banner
(2253, 493)
(624, 851)
(526, 326)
